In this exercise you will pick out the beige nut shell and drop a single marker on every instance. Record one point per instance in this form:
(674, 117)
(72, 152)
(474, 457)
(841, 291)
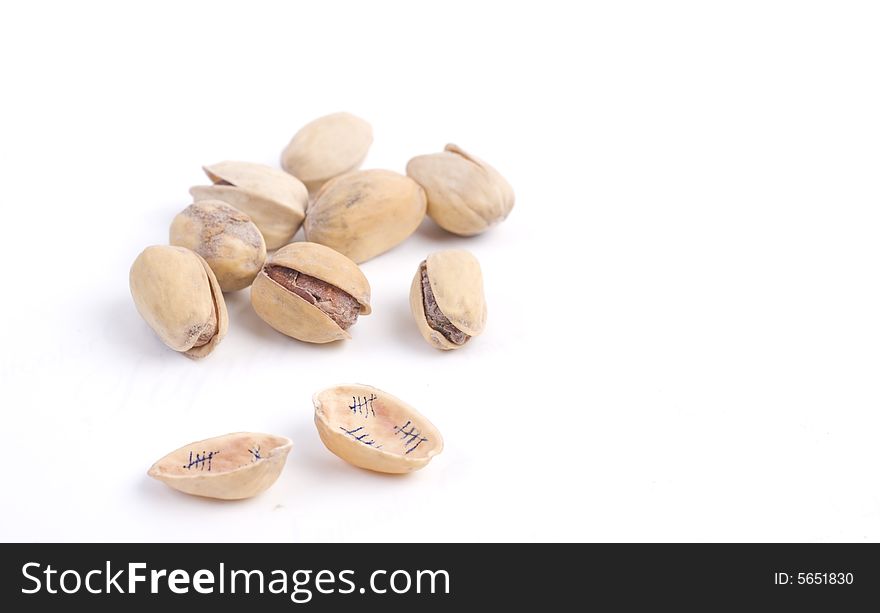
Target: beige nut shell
(466, 196)
(229, 467)
(327, 147)
(457, 282)
(274, 200)
(178, 296)
(362, 214)
(295, 317)
(372, 429)
(225, 237)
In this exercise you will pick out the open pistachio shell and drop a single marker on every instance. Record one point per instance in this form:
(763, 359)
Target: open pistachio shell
(447, 299)
(310, 292)
(225, 237)
(229, 467)
(374, 430)
(177, 294)
(466, 196)
(274, 200)
(364, 213)
(327, 147)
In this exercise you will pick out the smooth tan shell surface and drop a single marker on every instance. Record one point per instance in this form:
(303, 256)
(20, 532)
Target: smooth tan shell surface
(362, 214)
(178, 296)
(457, 283)
(295, 317)
(275, 201)
(225, 237)
(229, 467)
(327, 147)
(466, 196)
(374, 430)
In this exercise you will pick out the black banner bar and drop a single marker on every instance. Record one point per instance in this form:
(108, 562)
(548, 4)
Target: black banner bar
(427, 577)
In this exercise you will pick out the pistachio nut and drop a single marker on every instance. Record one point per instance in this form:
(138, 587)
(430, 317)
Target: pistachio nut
(446, 298)
(374, 430)
(177, 294)
(311, 293)
(364, 213)
(229, 467)
(466, 196)
(275, 201)
(327, 147)
(225, 237)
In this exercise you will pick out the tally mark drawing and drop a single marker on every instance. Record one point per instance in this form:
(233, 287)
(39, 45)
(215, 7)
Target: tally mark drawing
(411, 438)
(255, 451)
(358, 435)
(200, 460)
(363, 405)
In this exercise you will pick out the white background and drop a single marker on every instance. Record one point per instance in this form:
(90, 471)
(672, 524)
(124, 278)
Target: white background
(684, 310)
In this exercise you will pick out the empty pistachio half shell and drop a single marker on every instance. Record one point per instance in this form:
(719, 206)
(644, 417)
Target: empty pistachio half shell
(177, 294)
(447, 300)
(229, 467)
(364, 213)
(327, 147)
(274, 200)
(466, 196)
(311, 293)
(225, 237)
(374, 430)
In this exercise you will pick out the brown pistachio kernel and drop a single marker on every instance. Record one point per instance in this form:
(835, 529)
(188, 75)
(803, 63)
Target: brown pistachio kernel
(311, 293)
(446, 298)
(436, 319)
(341, 306)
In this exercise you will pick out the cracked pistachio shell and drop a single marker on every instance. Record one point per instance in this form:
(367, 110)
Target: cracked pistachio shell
(457, 285)
(362, 214)
(275, 201)
(229, 467)
(466, 196)
(374, 430)
(225, 237)
(327, 147)
(292, 315)
(177, 294)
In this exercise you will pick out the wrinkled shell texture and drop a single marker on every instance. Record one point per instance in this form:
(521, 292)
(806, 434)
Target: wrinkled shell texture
(275, 201)
(372, 429)
(466, 196)
(229, 467)
(447, 299)
(362, 214)
(311, 293)
(327, 147)
(178, 296)
(225, 237)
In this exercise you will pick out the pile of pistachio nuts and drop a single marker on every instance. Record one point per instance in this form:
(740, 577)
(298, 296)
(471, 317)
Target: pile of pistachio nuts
(314, 290)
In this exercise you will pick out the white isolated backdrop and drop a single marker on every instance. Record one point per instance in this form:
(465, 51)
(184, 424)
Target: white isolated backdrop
(683, 326)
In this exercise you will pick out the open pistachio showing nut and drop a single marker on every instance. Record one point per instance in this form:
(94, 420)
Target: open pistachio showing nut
(374, 430)
(229, 467)
(227, 239)
(327, 147)
(362, 214)
(311, 293)
(466, 196)
(177, 294)
(275, 201)
(446, 298)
